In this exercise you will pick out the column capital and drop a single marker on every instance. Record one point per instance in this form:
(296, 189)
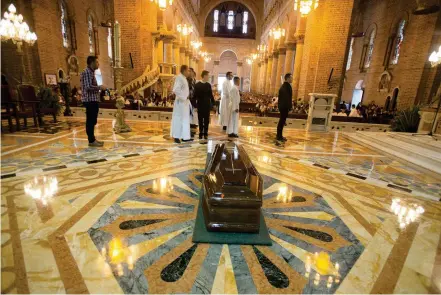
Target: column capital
(182, 49)
(275, 54)
(240, 63)
(290, 45)
(282, 50)
(216, 62)
(300, 38)
(270, 57)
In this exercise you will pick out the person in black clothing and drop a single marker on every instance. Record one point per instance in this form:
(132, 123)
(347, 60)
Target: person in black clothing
(285, 105)
(204, 98)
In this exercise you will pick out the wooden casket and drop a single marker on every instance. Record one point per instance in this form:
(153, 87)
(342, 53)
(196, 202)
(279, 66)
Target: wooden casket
(232, 191)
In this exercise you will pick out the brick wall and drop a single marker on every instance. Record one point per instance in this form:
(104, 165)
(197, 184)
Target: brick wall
(48, 54)
(407, 74)
(325, 47)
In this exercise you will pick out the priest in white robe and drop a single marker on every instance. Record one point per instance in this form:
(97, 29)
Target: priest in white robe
(225, 99)
(233, 109)
(180, 126)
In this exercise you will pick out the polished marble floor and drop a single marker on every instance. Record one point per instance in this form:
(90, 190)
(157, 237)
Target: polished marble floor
(343, 218)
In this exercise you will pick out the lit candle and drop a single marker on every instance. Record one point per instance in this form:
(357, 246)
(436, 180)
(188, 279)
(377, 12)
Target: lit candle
(330, 280)
(130, 262)
(317, 279)
(103, 251)
(120, 269)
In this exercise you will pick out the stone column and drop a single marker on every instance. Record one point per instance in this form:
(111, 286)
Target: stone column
(290, 51)
(280, 69)
(274, 72)
(263, 76)
(254, 75)
(176, 57)
(215, 70)
(240, 73)
(268, 75)
(196, 67)
(183, 61)
(188, 58)
(300, 40)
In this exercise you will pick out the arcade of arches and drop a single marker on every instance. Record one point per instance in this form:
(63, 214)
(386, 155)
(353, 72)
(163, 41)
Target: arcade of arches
(349, 200)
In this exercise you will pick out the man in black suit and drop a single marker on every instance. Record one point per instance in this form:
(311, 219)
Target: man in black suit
(204, 99)
(285, 105)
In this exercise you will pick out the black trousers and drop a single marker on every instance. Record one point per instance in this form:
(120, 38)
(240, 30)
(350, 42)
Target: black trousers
(282, 121)
(204, 121)
(92, 109)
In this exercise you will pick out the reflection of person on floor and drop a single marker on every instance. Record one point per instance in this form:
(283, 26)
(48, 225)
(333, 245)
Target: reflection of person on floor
(91, 98)
(225, 99)
(284, 104)
(233, 109)
(180, 126)
(203, 95)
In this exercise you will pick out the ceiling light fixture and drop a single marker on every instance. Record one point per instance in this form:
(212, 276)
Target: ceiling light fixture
(305, 6)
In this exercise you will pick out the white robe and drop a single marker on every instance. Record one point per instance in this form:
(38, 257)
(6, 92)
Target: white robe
(225, 100)
(180, 126)
(233, 122)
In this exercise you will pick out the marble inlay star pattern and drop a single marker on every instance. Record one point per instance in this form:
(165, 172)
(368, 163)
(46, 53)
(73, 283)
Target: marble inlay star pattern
(152, 223)
(54, 247)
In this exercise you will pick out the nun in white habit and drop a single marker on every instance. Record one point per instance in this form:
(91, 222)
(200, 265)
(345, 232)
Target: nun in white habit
(180, 126)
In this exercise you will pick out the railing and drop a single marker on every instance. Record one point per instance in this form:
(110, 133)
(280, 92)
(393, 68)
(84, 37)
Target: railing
(147, 79)
(167, 69)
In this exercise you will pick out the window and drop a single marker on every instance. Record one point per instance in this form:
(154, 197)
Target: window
(230, 22)
(90, 33)
(64, 25)
(370, 49)
(109, 42)
(398, 42)
(245, 23)
(351, 51)
(216, 21)
(99, 77)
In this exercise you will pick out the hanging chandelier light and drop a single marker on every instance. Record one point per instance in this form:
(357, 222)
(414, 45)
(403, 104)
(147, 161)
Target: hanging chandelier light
(277, 33)
(207, 58)
(261, 48)
(254, 56)
(185, 29)
(196, 44)
(249, 60)
(435, 58)
(162, 4)
(305, 6)
(12, 27)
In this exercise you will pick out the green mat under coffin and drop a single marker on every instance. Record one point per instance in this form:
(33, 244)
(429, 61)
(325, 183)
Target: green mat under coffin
(202, 235)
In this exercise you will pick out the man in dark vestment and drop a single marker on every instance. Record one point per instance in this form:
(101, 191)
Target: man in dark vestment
(285, 105)
(204, 98)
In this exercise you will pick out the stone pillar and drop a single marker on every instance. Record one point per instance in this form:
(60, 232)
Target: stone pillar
(254, 74)
(183, 61)
(240, 69)
(168, 51)
(176, 57)
(188, 58)
(196, 67)
(263, 75)
(300, 38)
(274, 73)
(290, 50)
(280, 69)
(215, 70)
(269, 69)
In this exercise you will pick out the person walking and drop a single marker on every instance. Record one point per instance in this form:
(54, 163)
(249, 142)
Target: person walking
(285, 105)
(204, 101)
(180, 126)
(91, 99)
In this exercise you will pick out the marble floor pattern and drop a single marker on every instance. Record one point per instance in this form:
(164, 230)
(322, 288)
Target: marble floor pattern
(120, 218)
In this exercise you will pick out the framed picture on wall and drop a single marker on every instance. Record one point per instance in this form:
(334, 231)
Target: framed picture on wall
(50, 79)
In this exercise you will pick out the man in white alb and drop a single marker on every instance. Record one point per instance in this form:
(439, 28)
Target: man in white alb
(225, 99)
(233, 109)
(180, 126)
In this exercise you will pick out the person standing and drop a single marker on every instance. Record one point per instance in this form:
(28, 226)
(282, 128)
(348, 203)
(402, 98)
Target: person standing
(193, 109)
(225, 100)
(204, 98)
(180, 125)
(233, 109)
(91, 99)
(285, 105)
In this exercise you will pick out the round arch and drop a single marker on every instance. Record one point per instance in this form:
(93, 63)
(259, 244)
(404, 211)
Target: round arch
(213, 4)
(226, 50)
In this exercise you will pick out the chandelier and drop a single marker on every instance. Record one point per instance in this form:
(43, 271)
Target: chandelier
(435, 58)
(261, 48)
(196, 44)
(207, 58)
(305, 6)
(185, 29)
(249, 60)
(13, 28)
(277, 33)
(162, 4)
